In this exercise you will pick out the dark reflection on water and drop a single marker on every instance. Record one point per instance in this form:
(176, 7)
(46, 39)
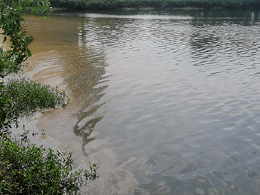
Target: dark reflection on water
(84, 77)
(85, 80)
(173, 99)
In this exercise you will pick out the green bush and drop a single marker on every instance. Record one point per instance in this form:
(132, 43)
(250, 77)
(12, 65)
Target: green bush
(28, 96)
(22, 97)
(28, 169)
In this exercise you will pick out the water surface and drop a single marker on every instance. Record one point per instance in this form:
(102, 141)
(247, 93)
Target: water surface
(163, 102)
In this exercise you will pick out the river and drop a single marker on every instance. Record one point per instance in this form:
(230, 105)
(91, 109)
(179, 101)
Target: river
(162, 102)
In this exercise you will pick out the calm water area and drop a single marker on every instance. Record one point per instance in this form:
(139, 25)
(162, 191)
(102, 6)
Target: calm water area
(163, 102)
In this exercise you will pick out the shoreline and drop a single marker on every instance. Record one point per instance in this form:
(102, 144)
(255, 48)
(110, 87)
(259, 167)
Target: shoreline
(57, 9)
(160, 5)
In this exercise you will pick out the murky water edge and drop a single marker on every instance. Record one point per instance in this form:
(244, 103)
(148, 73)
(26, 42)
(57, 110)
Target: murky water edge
(163, 102)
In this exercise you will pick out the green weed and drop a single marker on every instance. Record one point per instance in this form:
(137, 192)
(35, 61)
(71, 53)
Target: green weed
(28, 169)
(26, 97)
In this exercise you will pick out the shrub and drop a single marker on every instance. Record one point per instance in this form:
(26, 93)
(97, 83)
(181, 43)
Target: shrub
(28, 169)
(28, 96)
(23, 97)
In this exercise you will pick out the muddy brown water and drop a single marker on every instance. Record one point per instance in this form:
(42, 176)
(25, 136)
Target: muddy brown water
(162, 102)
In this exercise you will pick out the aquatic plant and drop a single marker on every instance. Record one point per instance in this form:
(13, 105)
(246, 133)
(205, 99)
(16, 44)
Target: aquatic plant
(27, 97)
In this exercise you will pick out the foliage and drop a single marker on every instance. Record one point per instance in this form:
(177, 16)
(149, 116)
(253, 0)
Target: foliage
(5, 115)
(11, 60)
(26, 97)
(11, 24)
(28, 169)
(158, 4)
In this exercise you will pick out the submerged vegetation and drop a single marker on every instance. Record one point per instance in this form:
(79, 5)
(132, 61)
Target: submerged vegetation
(157, 4)
(24, 167)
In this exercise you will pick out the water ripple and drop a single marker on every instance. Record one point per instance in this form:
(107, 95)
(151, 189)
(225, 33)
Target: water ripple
(176, 101)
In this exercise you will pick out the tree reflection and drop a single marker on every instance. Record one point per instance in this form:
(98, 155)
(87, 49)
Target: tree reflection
(86, 81)
(222, 32)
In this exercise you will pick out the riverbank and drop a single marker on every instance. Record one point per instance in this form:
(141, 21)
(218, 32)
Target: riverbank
(153, 4)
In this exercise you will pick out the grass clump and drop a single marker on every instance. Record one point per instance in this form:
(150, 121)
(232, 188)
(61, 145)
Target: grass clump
(28, 96)
(28, 169)
(24, 97)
